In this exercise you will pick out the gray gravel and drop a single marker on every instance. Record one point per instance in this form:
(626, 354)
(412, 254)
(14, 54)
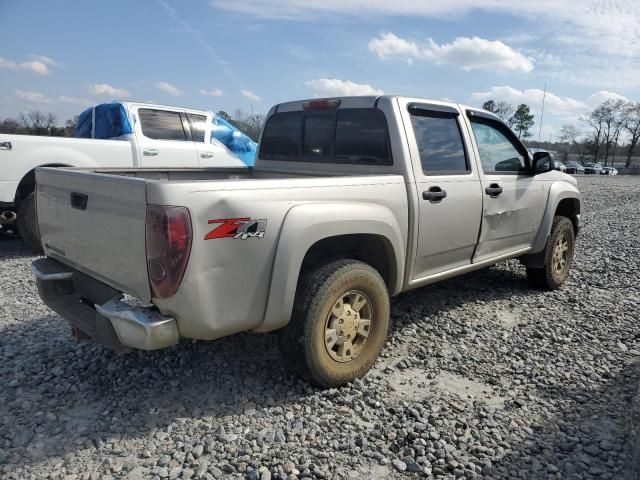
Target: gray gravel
(481, 377)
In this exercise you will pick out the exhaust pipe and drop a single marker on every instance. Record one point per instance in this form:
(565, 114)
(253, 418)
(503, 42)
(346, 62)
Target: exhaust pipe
(8, 216)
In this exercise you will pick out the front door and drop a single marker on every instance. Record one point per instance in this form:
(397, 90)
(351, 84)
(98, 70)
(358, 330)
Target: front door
(448, 188)
(164, 139)
(513, 200)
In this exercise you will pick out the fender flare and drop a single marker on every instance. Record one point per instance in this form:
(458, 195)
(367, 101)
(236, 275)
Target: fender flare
(559, 191)
(303, 226)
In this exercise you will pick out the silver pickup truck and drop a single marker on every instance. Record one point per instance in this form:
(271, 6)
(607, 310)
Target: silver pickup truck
(351, 200)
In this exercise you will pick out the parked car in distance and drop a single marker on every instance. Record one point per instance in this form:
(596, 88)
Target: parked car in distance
(574, 167)
(609, 171)
(118, 134)
(592, 168)
(558, 165)
(351, 200)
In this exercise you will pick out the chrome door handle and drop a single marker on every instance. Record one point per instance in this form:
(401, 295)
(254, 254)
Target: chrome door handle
(5, 146)
(206, 155)
(150, 152)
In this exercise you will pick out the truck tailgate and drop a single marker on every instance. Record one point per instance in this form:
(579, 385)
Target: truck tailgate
(95, 223)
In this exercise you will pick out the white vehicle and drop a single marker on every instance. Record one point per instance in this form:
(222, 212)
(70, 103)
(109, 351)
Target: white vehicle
(609, 171)
(157, 137)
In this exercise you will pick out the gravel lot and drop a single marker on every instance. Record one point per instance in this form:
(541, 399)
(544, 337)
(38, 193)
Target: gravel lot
(481, 377)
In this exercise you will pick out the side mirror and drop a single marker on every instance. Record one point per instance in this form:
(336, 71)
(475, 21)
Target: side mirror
(542, 163)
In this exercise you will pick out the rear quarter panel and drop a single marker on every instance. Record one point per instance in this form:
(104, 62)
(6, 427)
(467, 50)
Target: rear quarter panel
(228, 281)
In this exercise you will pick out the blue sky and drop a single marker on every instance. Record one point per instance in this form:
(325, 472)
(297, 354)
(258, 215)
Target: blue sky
(229, 54)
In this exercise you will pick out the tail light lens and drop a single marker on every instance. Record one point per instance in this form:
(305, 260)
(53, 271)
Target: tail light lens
(169, 237)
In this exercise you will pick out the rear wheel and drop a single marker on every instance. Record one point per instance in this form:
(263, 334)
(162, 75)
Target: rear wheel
(27, 222)
(339, 323)
(558, 256)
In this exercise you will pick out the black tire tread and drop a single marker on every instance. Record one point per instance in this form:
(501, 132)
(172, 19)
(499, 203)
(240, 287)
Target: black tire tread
(542, 278)
(27, 222)
(311, 287)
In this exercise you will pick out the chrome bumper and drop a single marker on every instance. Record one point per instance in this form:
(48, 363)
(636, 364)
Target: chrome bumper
(96, 309)
(140, 327)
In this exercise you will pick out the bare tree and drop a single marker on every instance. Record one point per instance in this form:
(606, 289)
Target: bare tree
(37, 122)
(613, 116)
(571, 135)
(631, 126)
(503, 110)
(595, 122)
(9, 125)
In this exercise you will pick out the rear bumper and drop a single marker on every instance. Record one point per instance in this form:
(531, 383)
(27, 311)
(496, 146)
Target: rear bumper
(96, 309)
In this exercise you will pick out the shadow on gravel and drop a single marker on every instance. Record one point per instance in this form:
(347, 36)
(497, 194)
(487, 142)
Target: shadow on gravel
(588, 438)
(58, 396)
(10, 242)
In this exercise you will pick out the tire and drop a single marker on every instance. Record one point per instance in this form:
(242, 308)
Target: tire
(558, 256)
(324, 303)
(27, 222)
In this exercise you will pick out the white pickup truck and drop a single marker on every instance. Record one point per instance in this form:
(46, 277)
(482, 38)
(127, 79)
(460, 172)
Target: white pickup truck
(122, 134)
(351, 200)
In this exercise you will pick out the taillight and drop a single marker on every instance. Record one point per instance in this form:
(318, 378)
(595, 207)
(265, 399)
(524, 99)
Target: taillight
(168, 247)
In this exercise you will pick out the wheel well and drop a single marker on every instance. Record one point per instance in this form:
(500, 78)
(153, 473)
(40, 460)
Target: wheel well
(374, 250)
(569, 207)
(28, 182)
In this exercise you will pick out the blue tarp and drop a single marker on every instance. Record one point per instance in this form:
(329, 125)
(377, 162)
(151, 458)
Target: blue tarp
(111, 121)
(236, 141)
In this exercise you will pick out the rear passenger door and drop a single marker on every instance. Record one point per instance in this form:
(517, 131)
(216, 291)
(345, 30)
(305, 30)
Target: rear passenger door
(448, 187)
(164, 138)
(209, 152)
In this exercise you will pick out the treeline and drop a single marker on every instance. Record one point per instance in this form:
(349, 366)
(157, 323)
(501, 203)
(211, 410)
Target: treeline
(36, 122)
(612, 129)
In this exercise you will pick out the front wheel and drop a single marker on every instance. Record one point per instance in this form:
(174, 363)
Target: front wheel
(558, 256)
(339, 323)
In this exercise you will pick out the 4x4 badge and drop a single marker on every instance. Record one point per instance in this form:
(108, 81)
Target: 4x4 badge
(238, 228)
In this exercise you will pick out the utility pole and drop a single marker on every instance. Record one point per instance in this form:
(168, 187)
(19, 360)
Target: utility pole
(544, 96)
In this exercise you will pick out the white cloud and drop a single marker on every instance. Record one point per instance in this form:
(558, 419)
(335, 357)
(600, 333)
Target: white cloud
(168, 88)
(604, 95)
(468, 53)
(216, 92)
(108, 90)
(35, 66)
(554, 104)
(32, 97)
(74, 100)
(250, 95)
(333, 87)
(44, 59)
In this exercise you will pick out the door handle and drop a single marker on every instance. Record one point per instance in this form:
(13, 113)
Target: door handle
(79, 200)
(493, 190)
(206, 155)
(434, 195)
(150, 152)
(5, 146)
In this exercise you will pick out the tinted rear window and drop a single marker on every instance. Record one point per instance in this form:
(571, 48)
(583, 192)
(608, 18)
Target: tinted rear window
(351, 136)
(161, 124)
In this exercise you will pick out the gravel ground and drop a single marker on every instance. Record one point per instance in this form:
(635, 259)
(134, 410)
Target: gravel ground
(482, 377)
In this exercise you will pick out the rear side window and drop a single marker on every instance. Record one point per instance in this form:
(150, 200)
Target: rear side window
(198, 124)
(439, 142)
(282, 137)
(161, 124)
(349, 136)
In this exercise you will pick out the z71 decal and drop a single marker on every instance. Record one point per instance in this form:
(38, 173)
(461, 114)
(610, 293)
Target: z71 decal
(238, 228)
